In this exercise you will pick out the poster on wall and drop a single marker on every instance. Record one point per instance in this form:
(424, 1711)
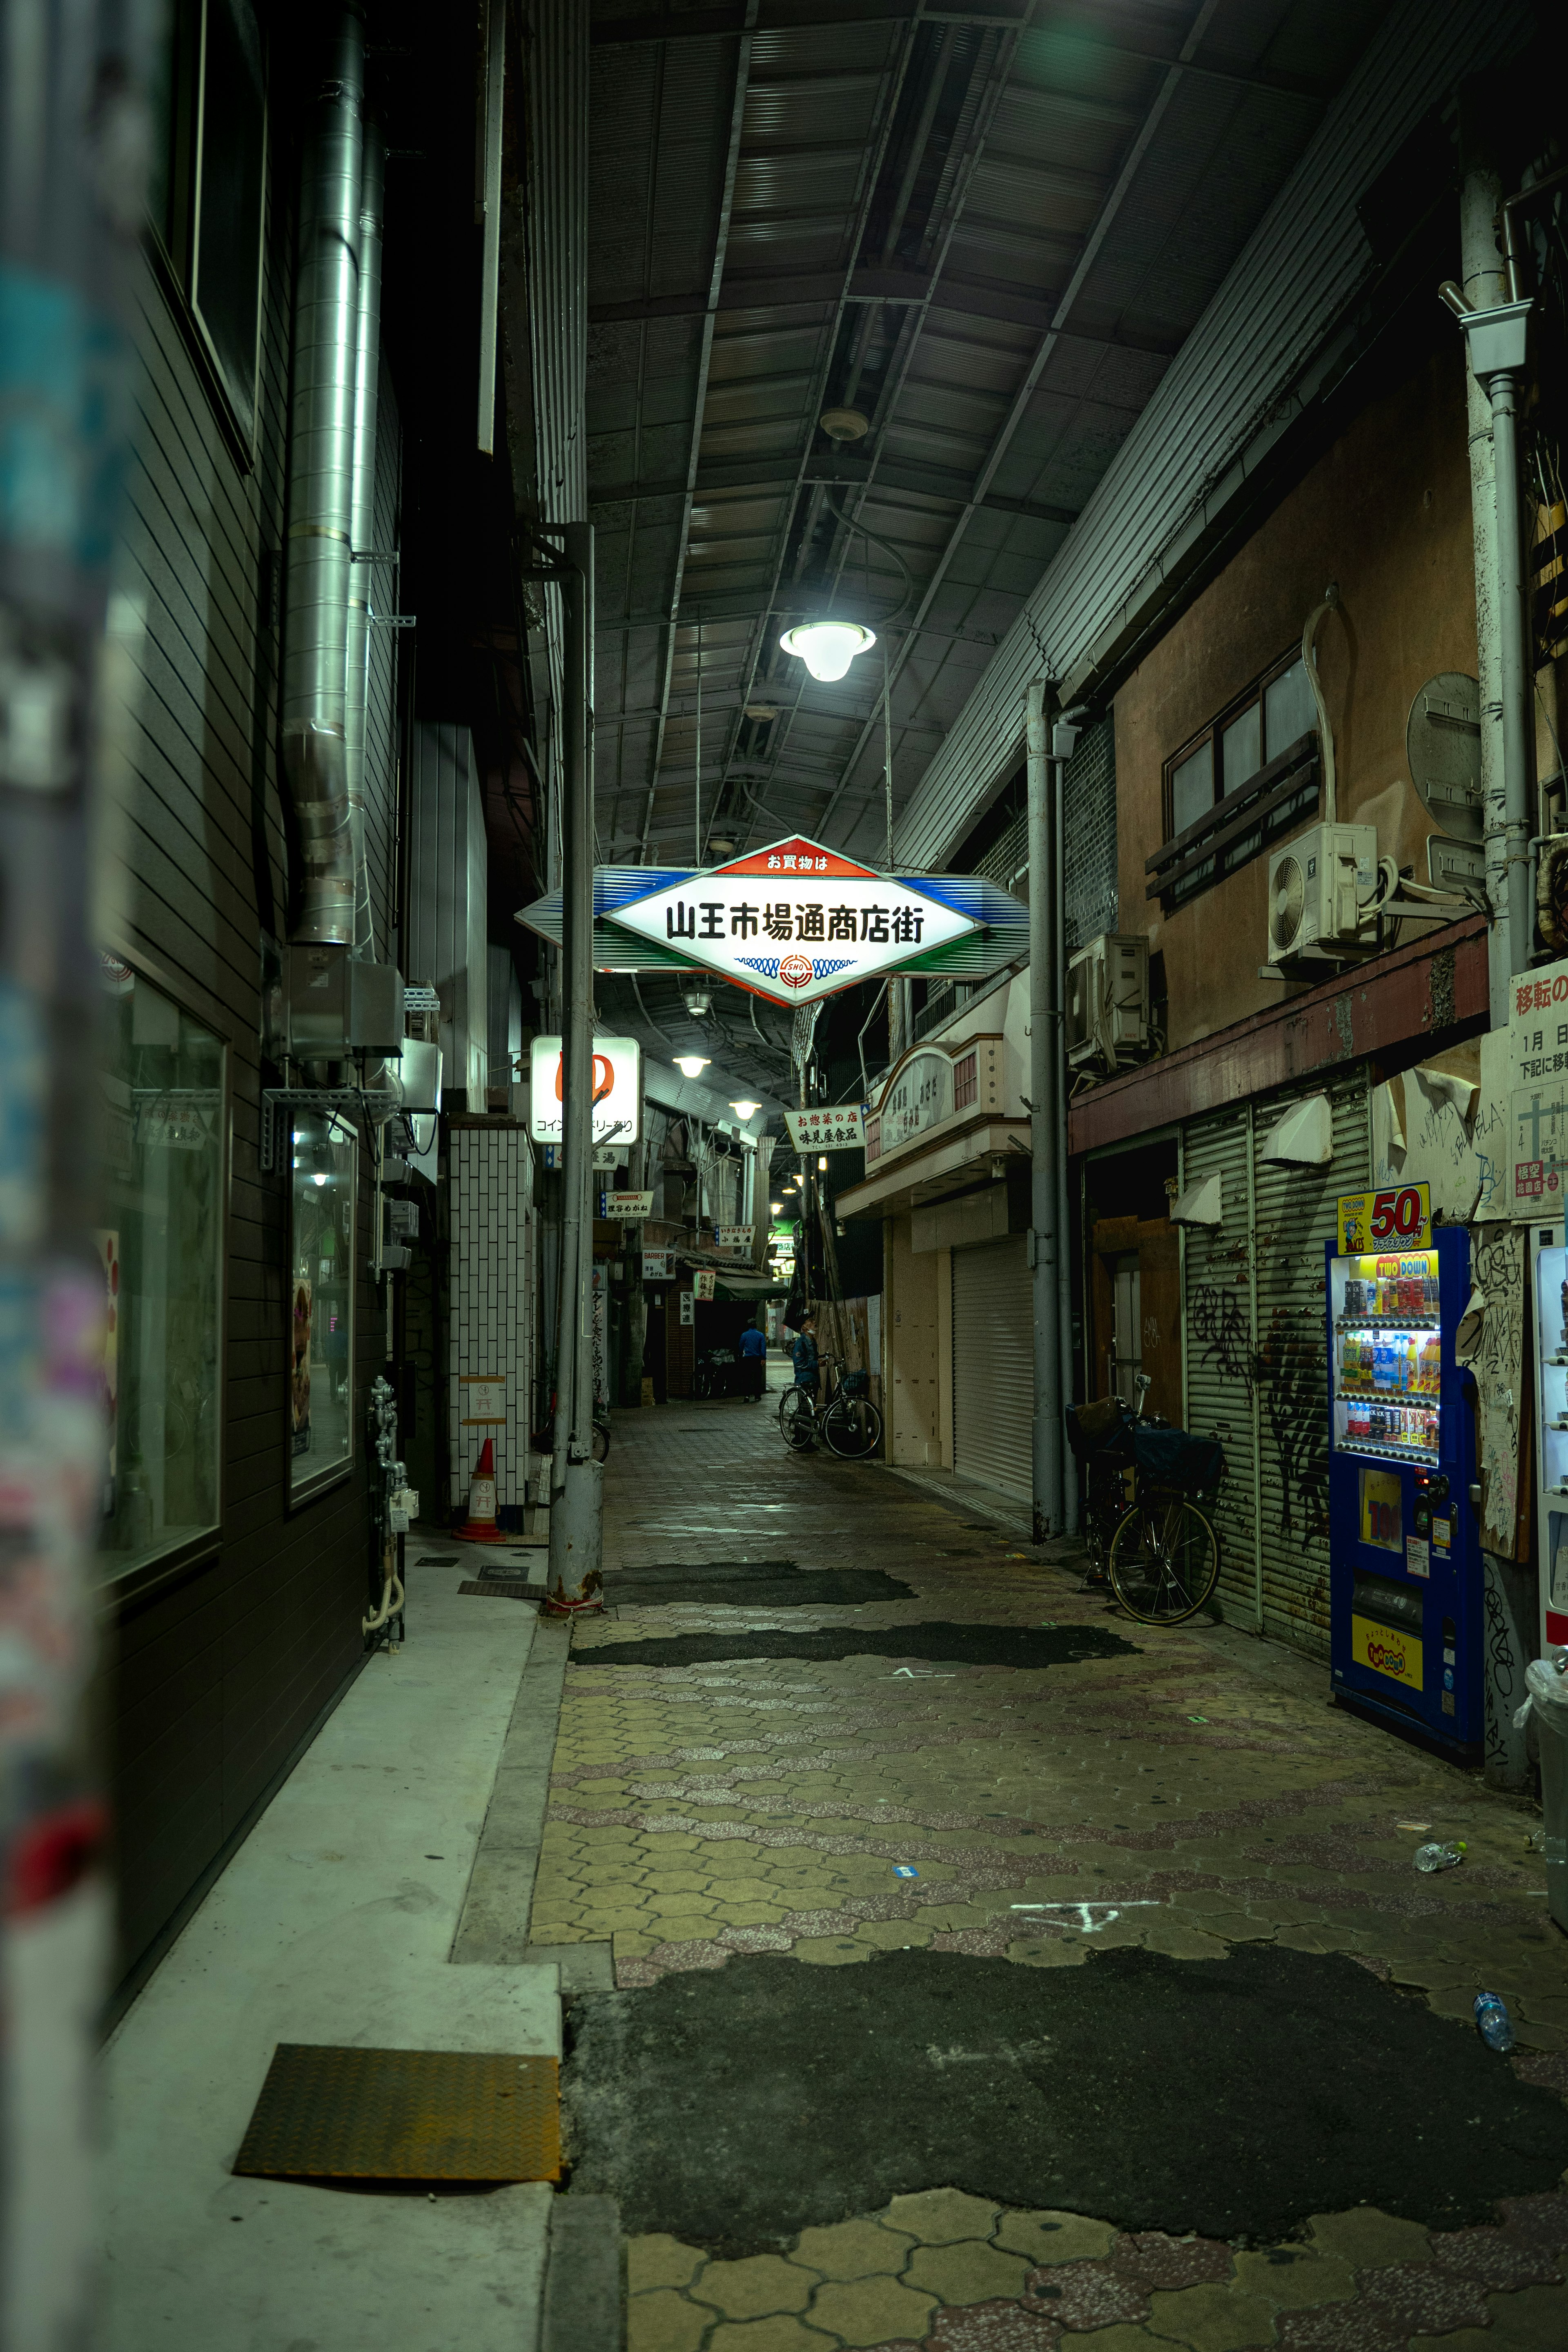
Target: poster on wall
(299, 1367)
(1538, 1092)
(108, 1253)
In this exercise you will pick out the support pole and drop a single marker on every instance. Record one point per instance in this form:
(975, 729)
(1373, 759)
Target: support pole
(1045, 1237)
(1484, 285)
(1062, 741)
(576, 1502)
(1496, 339)
(1515, 676)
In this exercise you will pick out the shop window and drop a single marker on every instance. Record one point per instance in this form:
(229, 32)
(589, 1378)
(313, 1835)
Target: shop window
(1250, 777)
(165, 1138)
(206, 189)
(321, 1302)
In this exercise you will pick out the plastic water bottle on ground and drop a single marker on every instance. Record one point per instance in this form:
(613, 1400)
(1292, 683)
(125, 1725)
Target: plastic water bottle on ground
(1493, 2022)
(1440, 1857)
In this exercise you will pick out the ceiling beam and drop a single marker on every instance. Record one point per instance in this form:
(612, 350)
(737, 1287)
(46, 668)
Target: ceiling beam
(895, 287)
(1003, 441)
(792, 16)
(700, 400)
(842, 471)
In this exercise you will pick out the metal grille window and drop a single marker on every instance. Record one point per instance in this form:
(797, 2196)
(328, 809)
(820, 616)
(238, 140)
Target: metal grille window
(1249, 776)
(965, 1083)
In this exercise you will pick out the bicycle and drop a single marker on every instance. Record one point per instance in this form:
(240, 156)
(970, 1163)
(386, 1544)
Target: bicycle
(1147, 1535)
(848, 1421)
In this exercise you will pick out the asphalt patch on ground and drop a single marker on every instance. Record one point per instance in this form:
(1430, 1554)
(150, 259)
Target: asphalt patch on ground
(1029, 1647)
(751, 1584)
(736, 2107)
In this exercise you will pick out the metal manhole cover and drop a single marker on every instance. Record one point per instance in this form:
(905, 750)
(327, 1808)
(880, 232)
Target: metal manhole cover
(328, 2114)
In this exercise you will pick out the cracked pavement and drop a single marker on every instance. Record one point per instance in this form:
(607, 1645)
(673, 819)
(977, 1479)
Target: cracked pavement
(1191, 1796)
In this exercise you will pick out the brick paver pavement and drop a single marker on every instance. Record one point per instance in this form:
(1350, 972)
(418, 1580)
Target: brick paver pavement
(1193, 1793)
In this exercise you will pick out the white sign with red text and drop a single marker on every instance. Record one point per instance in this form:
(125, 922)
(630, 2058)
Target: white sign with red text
(794, 921)
(618, 1089)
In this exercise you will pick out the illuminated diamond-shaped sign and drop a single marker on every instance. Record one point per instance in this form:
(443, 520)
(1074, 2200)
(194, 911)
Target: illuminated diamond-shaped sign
(794, 921)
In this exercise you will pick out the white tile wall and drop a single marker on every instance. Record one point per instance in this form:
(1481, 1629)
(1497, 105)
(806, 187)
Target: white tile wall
(490, 1327)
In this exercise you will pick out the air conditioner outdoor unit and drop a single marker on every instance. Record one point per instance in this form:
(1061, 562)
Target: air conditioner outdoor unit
(1318, 886)
(1108, 1000)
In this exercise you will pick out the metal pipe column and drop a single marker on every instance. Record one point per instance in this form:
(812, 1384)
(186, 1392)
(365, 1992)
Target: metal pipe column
(1055, 1043)
(1514, 675)
(577, 1496)
(1045, 1237)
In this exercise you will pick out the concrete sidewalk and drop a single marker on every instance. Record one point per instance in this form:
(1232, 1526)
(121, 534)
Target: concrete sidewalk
(334, 1923)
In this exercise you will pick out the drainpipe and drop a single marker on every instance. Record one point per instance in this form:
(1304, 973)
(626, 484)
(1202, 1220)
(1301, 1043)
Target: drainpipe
(321, 475)
(1045, 1237)
(1496, 338)
(577, 1491)
(1484, 286)
(1064, 736)
(362, 520)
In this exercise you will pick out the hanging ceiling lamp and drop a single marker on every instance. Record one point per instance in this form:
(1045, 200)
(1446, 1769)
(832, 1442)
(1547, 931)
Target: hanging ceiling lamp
(691, 1066)
(828, 648)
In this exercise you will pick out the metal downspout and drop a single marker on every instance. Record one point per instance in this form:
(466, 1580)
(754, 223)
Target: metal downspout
(361, 521)
(1057, 1044)
(577, 1496)
(320, 474)
(1482, 273)
(1045, 1240)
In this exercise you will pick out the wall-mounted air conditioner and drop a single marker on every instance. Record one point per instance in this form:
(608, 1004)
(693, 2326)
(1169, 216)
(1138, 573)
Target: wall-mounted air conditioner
(1107, 1001)
(1319, 887)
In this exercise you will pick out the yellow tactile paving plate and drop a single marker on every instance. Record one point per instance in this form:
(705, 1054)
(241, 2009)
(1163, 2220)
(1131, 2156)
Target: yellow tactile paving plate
(328, 2114)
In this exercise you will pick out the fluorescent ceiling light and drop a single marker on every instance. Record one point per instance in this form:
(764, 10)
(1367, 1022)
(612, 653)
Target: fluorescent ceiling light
(828, 648)
(691, 1066)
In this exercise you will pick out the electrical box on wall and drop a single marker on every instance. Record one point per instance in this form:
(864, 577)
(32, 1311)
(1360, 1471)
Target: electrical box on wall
(337, 1005)
(1107, 1001)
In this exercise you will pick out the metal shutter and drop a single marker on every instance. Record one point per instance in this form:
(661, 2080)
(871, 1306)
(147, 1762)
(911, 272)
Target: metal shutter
(993, 1365)
(1217, 1302)
(1295, 1217)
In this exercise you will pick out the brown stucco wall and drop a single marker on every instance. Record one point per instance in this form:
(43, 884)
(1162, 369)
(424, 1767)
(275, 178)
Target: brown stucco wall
(1385, 512)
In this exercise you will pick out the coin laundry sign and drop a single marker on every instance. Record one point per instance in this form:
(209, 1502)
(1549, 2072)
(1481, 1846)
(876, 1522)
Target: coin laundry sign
(796, 921)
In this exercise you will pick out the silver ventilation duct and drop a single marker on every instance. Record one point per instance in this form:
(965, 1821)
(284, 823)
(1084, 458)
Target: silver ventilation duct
(321, 489)
(367, 383)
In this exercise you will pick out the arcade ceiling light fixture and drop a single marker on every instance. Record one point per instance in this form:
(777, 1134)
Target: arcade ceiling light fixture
(828, 648)
(744, 1109)
(691, 1066)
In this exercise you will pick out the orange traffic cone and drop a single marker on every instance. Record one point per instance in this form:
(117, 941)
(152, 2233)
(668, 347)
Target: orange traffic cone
(479, 1526)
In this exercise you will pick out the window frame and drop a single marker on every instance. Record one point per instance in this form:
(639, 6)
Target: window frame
(117, 1587)
(333, 1474)
(1272, 825)
(176, 256)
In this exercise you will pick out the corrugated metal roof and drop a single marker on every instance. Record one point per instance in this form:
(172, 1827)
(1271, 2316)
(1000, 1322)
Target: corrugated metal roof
(1300, 269)
(909, 203)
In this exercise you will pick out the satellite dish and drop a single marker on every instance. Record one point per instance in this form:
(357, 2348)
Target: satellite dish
(1443, 745)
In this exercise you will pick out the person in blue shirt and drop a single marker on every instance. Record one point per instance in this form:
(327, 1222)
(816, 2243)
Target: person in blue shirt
(805, 1354)
(754, 1362)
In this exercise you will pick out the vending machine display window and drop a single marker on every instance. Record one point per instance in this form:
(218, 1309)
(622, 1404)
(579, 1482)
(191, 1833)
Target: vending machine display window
(1388, 1354)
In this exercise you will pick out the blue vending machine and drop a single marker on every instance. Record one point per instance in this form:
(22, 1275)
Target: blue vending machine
(1405, 1607)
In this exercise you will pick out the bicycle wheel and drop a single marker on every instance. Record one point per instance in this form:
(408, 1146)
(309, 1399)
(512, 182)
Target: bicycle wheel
(1164, 1557)
(797, 1419)
(853, 1428)
(601, 1441)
